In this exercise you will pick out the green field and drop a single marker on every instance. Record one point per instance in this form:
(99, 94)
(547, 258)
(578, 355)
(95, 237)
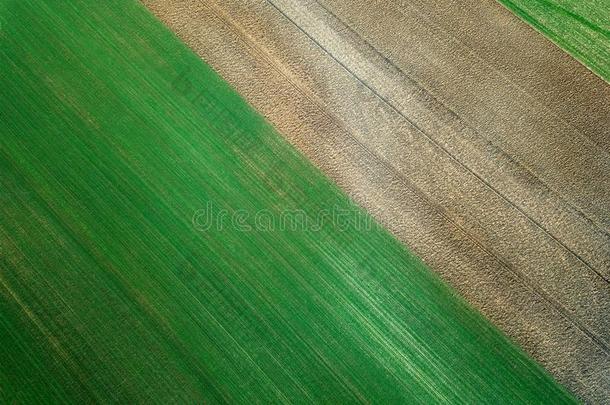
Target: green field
(114, 139)
(582, 28)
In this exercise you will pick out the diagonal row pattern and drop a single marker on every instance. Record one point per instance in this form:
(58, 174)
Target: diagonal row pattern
(115, 287)
(473, 139)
